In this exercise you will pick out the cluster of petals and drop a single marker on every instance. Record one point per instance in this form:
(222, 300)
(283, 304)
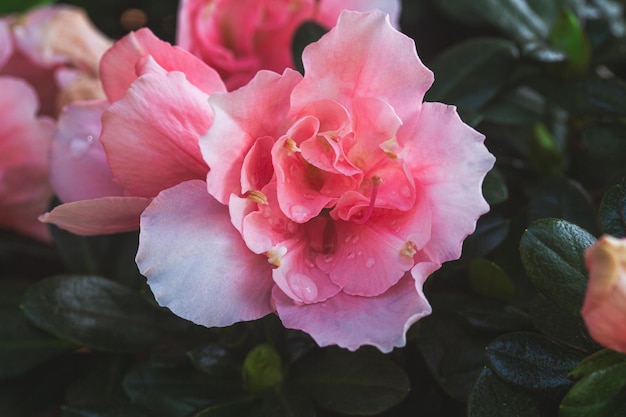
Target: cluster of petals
(331, 197)
(604, 308)
(240, 37)
(111, 157)
(48, 56)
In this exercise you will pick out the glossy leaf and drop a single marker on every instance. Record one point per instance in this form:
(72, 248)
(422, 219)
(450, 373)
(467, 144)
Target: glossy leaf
(364, 382)
(490, 280)
(471, 73)
(613, 211)
(532, 361)
(491, 396)
(598, 361)
(94, 312)
(552, 254)
(600, 394)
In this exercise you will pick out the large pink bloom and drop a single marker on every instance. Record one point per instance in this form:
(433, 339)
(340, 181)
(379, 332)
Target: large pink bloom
(240, 37)
(24, 143)
(604, 309)
(57, 50)
(111, 157)
(331, 197)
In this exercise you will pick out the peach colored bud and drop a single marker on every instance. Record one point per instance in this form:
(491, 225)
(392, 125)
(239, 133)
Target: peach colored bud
(604, 309)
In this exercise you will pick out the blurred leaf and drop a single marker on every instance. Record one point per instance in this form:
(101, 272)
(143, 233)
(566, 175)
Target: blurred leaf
(565, 199)
(15, 6)
(532, 361)
(101, 387)
(608, 94)
(613, 211)
(174, 392)
(490, 232)
(94, 312)
(111, 411)
(521, 106)
(471, 73)
(307, 33)
(491, 396)
(545, 153)
(598, 361)
(562, 326)
(236, 408)
(606, 142)
(364, 382)
(613, 12)
(218, 361)
(263, 369)
(600, 394)
(552, 254)
(490, 280)
(568, 36)
(494, 187)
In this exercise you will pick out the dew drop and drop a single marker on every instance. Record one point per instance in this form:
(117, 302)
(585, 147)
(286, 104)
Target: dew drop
(351, 255)
(299, 213)
(329, 258)
(355, 239)
(79, 147)
(349, 238)
(370, 262)
(302, 287)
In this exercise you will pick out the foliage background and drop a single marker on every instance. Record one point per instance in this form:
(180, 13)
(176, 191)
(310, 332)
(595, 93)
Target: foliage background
(80, 335)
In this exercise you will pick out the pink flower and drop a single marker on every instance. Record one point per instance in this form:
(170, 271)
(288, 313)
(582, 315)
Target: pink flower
(52, 48)
(24, 142)
(604, 309)
(331, 197)
(240, 37)
(110, 158)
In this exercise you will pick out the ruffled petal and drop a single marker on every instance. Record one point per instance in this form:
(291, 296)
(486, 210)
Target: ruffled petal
(351, 322)
(99, 216)
(196, 262)
(151, 134)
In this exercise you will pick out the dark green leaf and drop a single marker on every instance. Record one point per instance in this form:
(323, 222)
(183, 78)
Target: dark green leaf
(490, 280)
(607, 94)
(613, 211)
(174, 392)
(521, 106)
(552, 254)
(236, 408)
(111, 411)
(606, 142)
(599, 360)
(568, 36)
(490, 232)
(101, 387)
(532, 361)
(600, 394)
(218, 361)
(546, 153)
(494, 187)
(364, 382)
(471, 73)
(307, 33)
(491, 396)
(565, 199)
(94, 312)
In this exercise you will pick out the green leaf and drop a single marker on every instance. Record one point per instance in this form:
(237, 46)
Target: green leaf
(600, 394)
(101, 387)
(263, 369)
(613, 211)
(565, 199)
(94, 312)
(471, 73)
(546, 153)
(22, 346)
(552, 254)
(491, 396)
(490, 232)
(218, 361)
(364, 382)
(494, 187)
(522, 106)
(236, 408)
(15, 6)
(103, 411)
(488, 279)
(598, 361)
(532, 361)
(174, 392)
(606, 142)
(568, 36)
(307, 33)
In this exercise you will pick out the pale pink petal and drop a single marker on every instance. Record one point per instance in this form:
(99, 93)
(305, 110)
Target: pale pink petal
(196, 263)
(78, 165)
(346, 63)
(99, 216)
(329, 10)
(157, 122)
(450, 180)
(6, 41)
(117, 67)
(236, 127)
(351, 322)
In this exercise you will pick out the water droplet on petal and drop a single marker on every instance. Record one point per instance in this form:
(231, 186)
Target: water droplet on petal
(349, 238)
(355, 239)
(302, 287)
(329, 258)
(370, 262)
(351, 255)
(79, 146)
(299, 213)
